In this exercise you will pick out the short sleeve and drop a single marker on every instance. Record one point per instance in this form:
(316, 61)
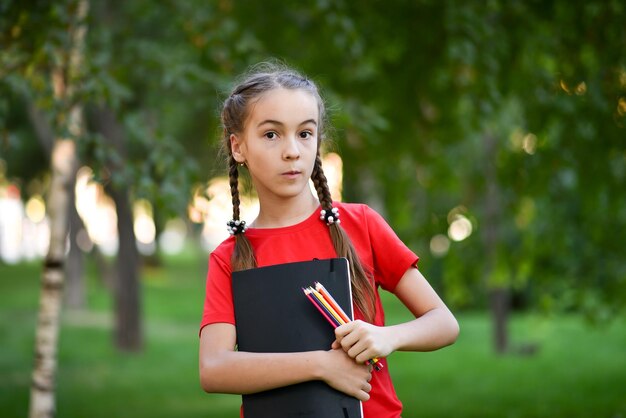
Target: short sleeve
(218, 302)
(391, 257)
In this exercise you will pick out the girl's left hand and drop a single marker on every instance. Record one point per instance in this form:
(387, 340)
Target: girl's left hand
(363, 341)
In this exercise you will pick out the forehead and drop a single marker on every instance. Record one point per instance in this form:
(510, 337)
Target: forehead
(288, 106)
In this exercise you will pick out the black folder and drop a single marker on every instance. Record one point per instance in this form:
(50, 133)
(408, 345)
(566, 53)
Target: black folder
(274, 316)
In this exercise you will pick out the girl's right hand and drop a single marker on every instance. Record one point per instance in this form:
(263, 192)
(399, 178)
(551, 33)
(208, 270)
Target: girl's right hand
(341, 372)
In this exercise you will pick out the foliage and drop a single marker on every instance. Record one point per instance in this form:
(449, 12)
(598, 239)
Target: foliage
(414, 89)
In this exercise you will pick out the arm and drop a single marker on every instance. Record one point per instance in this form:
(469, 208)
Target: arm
(222, 369)
(434, 327)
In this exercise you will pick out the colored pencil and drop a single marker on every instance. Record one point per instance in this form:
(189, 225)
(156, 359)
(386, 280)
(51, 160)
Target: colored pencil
(327, 305)
(320, 288)
(321, 308)
(331, 310)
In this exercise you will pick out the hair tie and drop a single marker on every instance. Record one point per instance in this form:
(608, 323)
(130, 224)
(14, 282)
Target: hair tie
(330, 216)
(235, 227)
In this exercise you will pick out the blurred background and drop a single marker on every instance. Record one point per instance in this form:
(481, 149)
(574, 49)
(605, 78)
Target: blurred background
(491, 135)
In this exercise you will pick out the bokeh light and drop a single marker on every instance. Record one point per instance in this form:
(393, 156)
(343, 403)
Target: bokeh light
(97, 210)
(460, 227)
(529, 144)
(439, 245)
(25, 228)
(172, 239)
(12, 212)
(36, 209)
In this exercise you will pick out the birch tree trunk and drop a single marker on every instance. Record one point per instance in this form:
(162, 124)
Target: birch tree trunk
(74, 286)
(63, 162)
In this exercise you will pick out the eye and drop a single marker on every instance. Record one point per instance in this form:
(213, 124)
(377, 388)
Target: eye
(306, 134)
(270, 135)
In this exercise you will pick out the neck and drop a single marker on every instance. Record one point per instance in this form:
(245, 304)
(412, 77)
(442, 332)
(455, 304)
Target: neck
(277, 213)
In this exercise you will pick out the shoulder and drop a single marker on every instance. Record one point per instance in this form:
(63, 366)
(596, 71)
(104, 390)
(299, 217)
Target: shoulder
(224, 250)
(352, 209)
(360, 221)
(358, 212)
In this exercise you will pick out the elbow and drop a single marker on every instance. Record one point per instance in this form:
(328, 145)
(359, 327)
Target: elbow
(452, 330)
(447, 329)
(206, 385)
(208, 378)
(455, 332)
(205, 382)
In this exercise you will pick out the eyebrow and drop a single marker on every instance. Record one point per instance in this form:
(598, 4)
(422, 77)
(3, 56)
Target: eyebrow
(275, 122)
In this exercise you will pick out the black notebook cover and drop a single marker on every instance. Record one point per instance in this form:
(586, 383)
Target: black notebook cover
(274, 316)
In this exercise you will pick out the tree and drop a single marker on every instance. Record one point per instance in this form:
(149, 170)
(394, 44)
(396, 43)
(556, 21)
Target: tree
(498, 112)
(496, 109)
(65, 74)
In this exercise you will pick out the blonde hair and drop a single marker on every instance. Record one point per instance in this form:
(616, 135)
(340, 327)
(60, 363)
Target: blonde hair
(263, 78)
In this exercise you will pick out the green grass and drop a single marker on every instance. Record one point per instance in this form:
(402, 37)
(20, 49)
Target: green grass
(578, 371)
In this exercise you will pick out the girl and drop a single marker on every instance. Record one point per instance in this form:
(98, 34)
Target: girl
(273, 127)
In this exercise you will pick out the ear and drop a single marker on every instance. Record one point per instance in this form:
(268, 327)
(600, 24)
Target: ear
(236, 148)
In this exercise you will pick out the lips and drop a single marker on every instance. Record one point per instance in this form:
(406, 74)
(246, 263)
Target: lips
(291, 174)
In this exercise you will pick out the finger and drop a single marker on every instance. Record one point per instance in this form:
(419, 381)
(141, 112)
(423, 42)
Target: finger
(364, 356)
(358, 350)
(349, 340)
(343, 330)
(362, 396)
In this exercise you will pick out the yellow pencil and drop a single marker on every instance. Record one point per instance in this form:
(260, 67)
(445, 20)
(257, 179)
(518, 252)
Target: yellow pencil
(323, 296)
(332, 311)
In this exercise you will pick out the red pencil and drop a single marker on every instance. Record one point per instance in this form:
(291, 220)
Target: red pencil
(319, 307)
(331, 301)
(338, 317)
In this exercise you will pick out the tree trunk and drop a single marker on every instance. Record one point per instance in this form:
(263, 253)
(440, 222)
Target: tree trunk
(74, 271)
(75, 288)
(128, 331)
(499, 300)
(42, 389)
(42, 128)
(63, 166)
(106, 270)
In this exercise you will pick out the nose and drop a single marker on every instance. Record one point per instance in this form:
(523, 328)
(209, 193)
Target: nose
(291, 149)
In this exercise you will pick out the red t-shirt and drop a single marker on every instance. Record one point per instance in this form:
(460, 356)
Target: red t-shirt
(379, 249)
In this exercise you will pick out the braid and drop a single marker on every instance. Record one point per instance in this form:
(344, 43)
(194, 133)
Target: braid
(362, 287)
(233, 177)
(321, 184)
(243, 255)
(233, 116)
